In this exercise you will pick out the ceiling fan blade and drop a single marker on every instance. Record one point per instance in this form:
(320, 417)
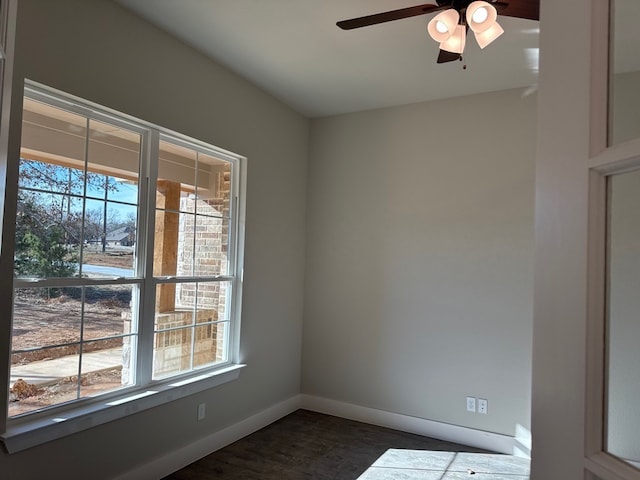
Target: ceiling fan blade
(389, 16)
(444, 56)
(528, 9)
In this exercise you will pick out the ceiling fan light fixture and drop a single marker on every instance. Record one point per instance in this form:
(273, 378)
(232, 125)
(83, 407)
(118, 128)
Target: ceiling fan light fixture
(481, 16)
(443, 25)
(456, 42)
(488, 36)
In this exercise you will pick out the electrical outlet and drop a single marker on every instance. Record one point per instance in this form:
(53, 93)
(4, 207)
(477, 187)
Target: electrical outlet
(483, 405)
(471, 404)
(202, 411)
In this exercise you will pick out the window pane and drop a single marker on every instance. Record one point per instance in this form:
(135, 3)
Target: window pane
(59, 166)
(110, 239)
(178, 307)
(177, 164)
(214, 185)
(35, 386)
(622, 384)
(200, 176)
(53, 135)
(624, 72)
(53, 326)
(107, 313)
(46, 338)
(102, 369)
(170, 256)
(106, 187)
(47, 235)
(211, 246)
(177, 351)
(111, 211)
(110, 331)
(213, 298)
(197, 185)
(190, 245)
(45, 317)
(210, 344)
(113, 158)
(171, 309)
(172, 352)
(49, 177)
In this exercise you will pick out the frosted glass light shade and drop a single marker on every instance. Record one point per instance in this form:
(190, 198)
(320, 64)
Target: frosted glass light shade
(456, 42)
(481, 16)
(442, 26)
(489, 35)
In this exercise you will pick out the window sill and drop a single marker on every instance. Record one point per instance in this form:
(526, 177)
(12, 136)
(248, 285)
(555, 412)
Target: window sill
(24, 433)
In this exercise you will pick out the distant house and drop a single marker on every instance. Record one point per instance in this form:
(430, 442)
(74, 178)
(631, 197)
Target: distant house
(121, 237)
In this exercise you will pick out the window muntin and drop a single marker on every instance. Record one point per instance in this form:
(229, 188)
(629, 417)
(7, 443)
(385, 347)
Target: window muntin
(191, 259)
(85, 168)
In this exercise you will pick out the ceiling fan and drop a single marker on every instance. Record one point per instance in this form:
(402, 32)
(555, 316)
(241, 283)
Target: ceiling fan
(456, 17)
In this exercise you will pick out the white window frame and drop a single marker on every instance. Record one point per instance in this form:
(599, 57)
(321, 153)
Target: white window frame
(55, 422)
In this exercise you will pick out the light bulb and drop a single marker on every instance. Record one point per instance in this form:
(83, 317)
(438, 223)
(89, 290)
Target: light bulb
(441, 27)
(480, 15)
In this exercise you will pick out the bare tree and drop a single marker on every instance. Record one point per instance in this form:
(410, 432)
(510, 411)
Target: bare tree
(50, 221)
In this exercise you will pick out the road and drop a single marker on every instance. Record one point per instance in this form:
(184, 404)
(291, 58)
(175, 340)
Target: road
(107, 271)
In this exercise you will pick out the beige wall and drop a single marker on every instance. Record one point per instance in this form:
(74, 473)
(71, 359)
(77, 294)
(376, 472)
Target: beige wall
(98, 51)
(419, 259)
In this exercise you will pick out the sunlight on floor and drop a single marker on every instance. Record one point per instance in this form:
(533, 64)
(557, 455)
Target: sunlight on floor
(396, 464)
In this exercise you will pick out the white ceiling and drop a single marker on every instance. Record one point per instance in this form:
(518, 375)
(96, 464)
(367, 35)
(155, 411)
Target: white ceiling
(294, 50)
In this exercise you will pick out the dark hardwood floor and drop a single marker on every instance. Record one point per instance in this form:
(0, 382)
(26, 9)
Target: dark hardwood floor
(308, 445)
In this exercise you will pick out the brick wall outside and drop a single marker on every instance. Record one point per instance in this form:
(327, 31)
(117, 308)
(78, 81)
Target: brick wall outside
(203, 245)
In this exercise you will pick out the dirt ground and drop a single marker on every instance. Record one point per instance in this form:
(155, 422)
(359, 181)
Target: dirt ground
(42, 322)
(121, 259)
(43, 319)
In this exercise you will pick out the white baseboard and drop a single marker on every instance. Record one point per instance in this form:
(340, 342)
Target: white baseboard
(428, 428)
(182, 457)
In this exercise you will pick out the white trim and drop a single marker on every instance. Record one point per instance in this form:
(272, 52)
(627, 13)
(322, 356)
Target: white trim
(26, 432)
(182, 457)
(443, 431)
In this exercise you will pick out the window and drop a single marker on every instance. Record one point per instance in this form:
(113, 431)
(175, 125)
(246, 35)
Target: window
(126, 258)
